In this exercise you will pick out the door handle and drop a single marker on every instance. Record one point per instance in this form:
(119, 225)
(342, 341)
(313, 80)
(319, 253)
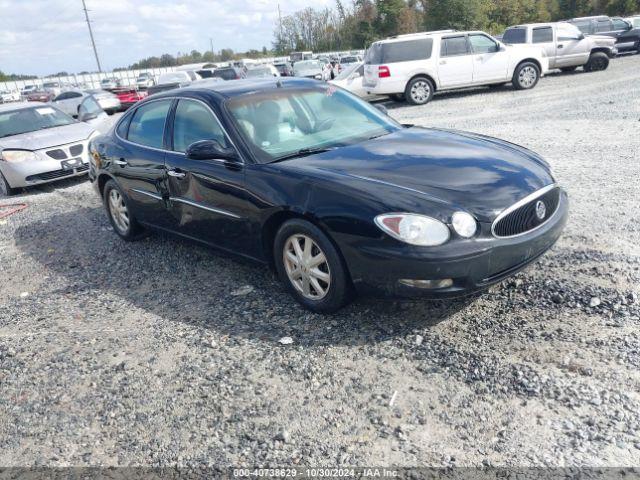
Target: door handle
(122, 162)
(560, 46)
(176, 173)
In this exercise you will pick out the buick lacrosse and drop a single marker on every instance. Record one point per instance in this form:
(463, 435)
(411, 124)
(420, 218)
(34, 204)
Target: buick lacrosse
(330, 191)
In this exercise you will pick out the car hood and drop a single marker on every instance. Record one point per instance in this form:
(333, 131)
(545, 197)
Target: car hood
(49, 137)
(482, 175)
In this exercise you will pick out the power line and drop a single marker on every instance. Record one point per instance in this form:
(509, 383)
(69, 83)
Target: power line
(93, 43)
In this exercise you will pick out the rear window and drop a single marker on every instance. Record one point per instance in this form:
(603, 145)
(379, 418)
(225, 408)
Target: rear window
(542, 35)
(583, 25)
(604, 26)
(392, 52)
(515, 35)
(452, 46)
(225, 74)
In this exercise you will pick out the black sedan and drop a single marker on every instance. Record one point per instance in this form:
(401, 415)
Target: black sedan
(328, 190)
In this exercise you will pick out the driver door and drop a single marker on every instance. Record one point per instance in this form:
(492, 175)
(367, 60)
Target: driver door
(490, 63)
(207, 198)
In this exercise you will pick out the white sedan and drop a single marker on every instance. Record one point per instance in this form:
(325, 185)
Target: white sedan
(70, 101)
(7, 96)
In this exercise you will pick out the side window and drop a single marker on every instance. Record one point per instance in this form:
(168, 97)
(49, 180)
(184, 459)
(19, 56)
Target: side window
(619, 24)
(408, 51)
(147, 124)
(452, 46)
(62, 96)
(194, 122)
(360, 70)
(568, 32)
(604, 26)
(515, 35)
(122, 127)
(542, 35)
(74, 95)
(89, 106)
(483, 44)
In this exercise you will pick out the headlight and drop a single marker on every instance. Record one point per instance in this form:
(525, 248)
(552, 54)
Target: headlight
(414, 229)
(18, 156)
(464, 224)
(318, 77)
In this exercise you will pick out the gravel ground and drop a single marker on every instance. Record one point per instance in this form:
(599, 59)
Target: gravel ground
(165, 353)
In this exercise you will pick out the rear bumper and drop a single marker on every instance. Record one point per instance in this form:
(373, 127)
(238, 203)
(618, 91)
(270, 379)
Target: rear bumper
(387, 86)
(472, 265)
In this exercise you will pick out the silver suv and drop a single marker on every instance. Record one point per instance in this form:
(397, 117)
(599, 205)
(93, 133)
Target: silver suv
(565, 45)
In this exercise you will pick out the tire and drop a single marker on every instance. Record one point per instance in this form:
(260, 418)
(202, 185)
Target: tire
(419, 91)
(397, 97)
(598, 61)
(128, 230)
(568, 69)
(526, 76)
(5, 189)
(326, 291)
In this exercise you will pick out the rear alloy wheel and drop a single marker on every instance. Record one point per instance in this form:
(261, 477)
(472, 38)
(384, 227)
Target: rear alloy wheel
(310, 267)
(5, 188)
(598, 61)
(526, 76)
(118, 211)
(419, 91)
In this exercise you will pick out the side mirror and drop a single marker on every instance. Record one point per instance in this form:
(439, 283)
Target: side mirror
(382, 108)
(84, 116)
(210, 150)
(581, 36)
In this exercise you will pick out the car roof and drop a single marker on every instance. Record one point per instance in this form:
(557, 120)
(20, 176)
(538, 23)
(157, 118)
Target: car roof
(6, 107)
(593, 17)
(541, 24)
(234, 88)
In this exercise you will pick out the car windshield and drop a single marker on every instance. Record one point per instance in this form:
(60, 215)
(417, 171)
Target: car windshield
(259, 72)
(25, 120)
(307, 65)
(50, 85)
(176, 77)
(284, 122)
(348, 59)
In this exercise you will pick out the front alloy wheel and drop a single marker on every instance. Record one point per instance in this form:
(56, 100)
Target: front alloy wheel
(123, 222)
(310, 266)
(307, 267)
(118, 211)
(526, 76)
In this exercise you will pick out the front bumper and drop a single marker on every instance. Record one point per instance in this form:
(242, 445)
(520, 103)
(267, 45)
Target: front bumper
(472, 264)
(45, 169)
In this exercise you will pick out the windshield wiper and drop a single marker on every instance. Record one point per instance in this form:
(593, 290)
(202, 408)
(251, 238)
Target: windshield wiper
(303, 152)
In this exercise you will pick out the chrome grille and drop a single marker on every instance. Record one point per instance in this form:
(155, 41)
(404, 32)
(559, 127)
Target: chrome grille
(523, 216)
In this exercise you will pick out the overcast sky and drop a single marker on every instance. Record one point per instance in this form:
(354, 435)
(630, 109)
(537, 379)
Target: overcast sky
(48, 36)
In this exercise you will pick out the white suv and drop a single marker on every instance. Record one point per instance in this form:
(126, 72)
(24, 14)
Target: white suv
(415, 66)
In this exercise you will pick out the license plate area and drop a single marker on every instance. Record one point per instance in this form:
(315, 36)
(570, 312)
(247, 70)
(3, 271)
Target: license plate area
(71, 163)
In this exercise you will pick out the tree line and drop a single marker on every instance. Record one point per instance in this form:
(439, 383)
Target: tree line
(356, 25)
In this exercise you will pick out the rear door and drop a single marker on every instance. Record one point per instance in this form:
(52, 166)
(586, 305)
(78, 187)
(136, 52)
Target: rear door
(490, 64)
(138, 165)
(207, 197)
(543, 37)
(455, 66)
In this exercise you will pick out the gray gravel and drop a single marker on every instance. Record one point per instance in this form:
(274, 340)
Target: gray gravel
(165, 353)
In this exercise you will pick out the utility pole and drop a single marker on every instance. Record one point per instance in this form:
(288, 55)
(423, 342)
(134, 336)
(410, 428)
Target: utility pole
(95, 50)
(280, 23)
